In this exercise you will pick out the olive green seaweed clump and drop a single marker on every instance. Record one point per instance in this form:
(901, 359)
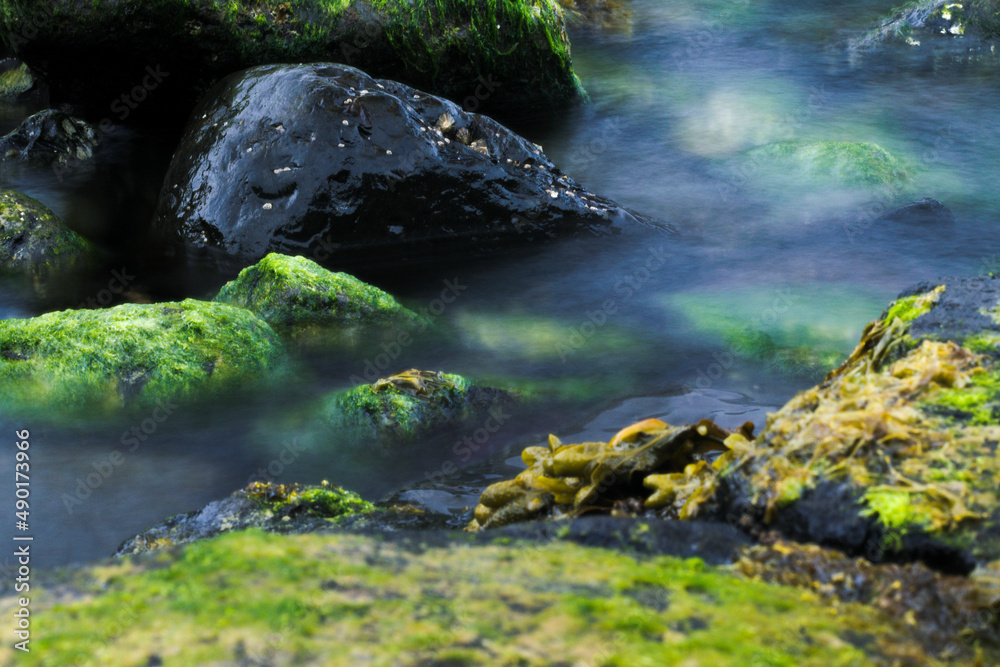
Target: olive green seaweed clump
(304, 302)
(134, 356)
(33, 240)
(346, 599)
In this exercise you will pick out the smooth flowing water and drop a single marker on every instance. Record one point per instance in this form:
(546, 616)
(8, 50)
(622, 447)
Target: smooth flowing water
(607, 333)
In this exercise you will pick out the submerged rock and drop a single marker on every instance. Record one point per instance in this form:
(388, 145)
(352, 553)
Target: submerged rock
(34, 241)
(926, 211)
(411, 404)
(511, 58)
(133, 356)
(307, 304)
(50, 138)
(844, 163)
(323, 160)
(277, 508)
(613, 16)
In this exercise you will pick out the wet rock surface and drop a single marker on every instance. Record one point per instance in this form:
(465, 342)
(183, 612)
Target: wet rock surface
(49, 138)
(34, 241)
(323, 160)
(926, 211)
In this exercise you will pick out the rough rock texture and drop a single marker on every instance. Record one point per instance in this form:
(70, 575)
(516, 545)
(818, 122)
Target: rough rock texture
(33, 240)
(304, 302)
(928, 22)
(411, 404)
(325, 161)
(277, 508)
(49, 137)
(154, 58)
(341, 600)
(133, 356)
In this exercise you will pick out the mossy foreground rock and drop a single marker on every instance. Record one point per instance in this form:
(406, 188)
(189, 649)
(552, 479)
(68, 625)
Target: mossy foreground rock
(278, 508)
(254, 598)
(306, 303)
(33, 240)
(411, 404)
(134, 356)
(509, 58)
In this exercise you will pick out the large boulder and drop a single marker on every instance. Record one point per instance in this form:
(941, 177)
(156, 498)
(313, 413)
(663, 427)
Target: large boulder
(35, 241)
(323, 160)
(134, 356)
(307, 304)
(128, 60)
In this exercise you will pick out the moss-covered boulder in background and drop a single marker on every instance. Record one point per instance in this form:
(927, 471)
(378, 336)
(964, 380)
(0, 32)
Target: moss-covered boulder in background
(34, 241)
(341, 600)
(306, 303)
(843, 163)
(134, 356)
(15, 79)
(409, 405)
(507, 58)
(278, 508)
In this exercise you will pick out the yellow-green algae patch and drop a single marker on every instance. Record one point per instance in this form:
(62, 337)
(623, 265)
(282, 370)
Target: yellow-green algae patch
(134, 356)
(910, 308)
(254, 598)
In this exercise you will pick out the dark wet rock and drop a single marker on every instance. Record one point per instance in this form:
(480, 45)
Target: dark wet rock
(307, 304)
(922, 23)
(410, 405)
(276, 508)
(926, 211)
(325, 161)
(34, 241)
(148, 357)
(154, 60)
(50, 138)
(953, 613)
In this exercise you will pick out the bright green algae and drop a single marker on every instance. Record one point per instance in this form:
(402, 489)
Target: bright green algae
(303, 301)
(348, 599)
(134, 356)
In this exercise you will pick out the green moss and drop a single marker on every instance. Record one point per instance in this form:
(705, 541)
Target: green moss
(340, 599)
(979, 400)
(850, 163)
(134, 356)
(16, 81)
(910, 308)
(303, 301)
(895, 510)
(394, 409)
(33, 240)
(323, 501)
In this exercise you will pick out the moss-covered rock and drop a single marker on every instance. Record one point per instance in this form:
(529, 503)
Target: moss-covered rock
(252, 598)
(928, 22)
(278, 508)
(134, 356)
(34, 240)
(506, 58)
(305, 303)
(412, 404)
(845, 163)
(15, 81)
